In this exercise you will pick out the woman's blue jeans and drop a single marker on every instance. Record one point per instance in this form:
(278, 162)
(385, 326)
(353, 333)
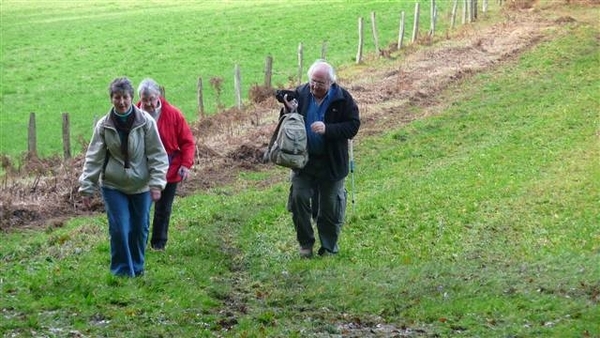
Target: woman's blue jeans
(128, 224)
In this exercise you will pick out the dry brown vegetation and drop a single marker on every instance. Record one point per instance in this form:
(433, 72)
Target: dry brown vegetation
(43, 192)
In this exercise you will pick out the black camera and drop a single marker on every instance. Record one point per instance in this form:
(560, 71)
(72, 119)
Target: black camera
(280, 93)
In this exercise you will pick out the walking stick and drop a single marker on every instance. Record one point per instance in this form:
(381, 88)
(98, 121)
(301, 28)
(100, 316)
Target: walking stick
(352, 171)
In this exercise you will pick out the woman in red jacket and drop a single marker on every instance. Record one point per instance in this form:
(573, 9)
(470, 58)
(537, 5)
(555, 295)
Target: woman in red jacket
(178, 140)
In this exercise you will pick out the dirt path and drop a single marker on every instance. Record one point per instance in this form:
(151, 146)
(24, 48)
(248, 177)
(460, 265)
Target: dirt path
(234, 140)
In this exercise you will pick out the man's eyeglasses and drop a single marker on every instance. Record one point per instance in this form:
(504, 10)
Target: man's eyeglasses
(320, 84)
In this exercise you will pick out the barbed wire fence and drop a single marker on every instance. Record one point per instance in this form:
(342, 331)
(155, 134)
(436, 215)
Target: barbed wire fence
(469, 15)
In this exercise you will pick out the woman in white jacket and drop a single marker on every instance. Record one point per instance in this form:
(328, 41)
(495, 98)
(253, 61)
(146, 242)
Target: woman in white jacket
(127, 161)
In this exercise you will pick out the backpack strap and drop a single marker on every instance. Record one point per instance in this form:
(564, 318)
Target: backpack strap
(274, 136)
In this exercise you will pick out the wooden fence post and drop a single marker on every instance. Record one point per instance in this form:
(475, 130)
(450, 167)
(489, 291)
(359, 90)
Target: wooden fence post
(453, 15)
(217, 84)
(432, 19)
(464, 12)
(324, 50)
(374, 30)
(416, 24)
(200, 99)
(66, 135)
(469, 11)
(268, 71)
(360, 40)
(401, 31)
(237, 81)
(32, 141)
(300, 58)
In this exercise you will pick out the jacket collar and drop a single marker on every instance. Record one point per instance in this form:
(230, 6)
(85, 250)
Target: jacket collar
(335, 92)
(138, 116)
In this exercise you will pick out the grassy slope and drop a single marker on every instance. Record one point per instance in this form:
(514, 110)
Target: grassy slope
(482, 221)
(60, 56)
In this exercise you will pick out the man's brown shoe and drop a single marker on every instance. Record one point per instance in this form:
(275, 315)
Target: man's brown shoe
(306, 252)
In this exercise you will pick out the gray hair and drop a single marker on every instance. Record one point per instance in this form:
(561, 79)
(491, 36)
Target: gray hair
(148, 87)
(120, 85)
(321, 63)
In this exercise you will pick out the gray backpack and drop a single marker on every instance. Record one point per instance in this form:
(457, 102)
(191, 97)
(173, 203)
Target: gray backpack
(289, 144)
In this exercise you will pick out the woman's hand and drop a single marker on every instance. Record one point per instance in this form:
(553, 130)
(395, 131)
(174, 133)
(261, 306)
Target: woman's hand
(184, 173)
(155, 194)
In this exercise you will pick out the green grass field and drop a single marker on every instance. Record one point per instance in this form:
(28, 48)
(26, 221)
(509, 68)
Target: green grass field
(481, 221)
(60, 56)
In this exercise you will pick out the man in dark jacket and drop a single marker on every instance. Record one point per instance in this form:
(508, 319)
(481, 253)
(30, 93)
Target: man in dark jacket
(332, 118)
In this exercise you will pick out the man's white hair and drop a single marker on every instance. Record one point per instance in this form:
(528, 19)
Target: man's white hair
(320, 63)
